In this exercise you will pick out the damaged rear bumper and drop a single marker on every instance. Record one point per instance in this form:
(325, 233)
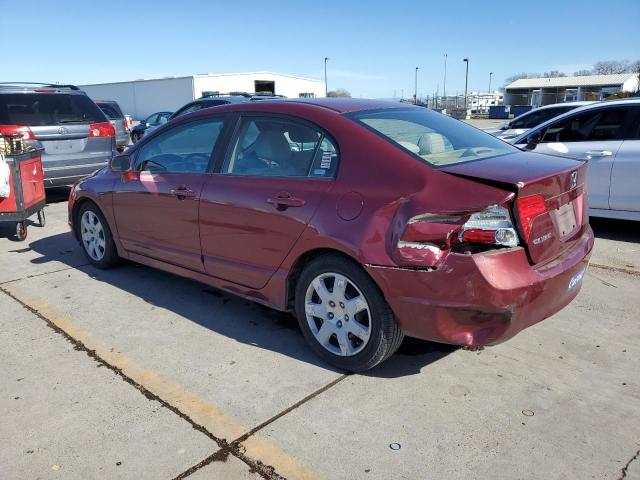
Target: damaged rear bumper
(484, 298)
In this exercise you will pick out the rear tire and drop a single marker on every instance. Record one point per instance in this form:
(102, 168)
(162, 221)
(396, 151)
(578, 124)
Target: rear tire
(95, 237)
(42, 220)
(344, 316)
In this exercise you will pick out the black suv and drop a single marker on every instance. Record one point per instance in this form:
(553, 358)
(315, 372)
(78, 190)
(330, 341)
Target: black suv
(75, 135)
(208, 100)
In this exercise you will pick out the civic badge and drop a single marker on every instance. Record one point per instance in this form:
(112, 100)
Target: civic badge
(573, 183)
(62, 130)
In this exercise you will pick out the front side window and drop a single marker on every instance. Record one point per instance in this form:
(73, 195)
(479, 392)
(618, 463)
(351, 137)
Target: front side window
(152, 119)
(277, 147)
(432, 137)
(593, 125)
(183, 149)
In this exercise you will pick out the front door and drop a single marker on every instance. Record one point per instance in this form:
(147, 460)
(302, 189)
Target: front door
(156, 206)
(594, 135)
(273, 179)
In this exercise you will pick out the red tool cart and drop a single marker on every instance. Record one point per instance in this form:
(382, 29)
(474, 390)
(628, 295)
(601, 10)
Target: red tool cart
(26, 182)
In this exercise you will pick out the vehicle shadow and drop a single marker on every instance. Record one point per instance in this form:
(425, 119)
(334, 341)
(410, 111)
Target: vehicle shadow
(57, 194)
(226, 314)
(612, 229)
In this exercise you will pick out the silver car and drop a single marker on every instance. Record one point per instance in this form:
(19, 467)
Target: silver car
(519, 125)
(607, 135)
(75, 135)
(113, 112)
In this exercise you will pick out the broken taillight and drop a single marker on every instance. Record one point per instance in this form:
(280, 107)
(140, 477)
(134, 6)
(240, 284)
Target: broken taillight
(428, 239)
(492, 225)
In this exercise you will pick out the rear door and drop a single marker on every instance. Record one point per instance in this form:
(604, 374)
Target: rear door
(156, 208)
(625, 176)
(275, 175)
(594, 135)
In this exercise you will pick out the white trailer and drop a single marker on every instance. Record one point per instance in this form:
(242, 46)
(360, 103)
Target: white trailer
(141, 98)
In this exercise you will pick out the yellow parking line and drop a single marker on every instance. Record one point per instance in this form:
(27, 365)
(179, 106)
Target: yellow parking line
(188, 403)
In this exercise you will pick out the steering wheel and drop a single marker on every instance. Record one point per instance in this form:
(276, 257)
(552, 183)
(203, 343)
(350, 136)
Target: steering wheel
(197, 154)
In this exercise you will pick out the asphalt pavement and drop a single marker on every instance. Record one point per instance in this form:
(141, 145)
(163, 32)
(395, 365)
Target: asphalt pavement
(136, 373)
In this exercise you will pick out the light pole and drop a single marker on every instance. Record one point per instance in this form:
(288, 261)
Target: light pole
(490, 75)
(415, 94)
(325, 76)
(444, 83)
(466, 82)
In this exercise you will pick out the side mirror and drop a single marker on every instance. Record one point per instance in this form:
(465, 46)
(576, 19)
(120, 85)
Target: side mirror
(147, 124)
(533, 140)
(120, 164)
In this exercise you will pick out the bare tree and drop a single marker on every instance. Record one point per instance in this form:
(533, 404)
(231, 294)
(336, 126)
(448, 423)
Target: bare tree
(609, 67)
(339, 92)
(554, 74)
(520, 75)
(582, 73)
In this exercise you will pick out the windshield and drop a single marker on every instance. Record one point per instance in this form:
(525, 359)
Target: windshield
(432, 137)
(41, 109)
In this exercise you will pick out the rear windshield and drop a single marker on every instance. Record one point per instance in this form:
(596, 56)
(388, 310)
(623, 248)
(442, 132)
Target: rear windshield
(41, 109)
(432, 137)
(111, 111)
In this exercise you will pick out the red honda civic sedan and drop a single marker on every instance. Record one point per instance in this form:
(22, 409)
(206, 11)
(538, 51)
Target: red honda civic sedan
(370, 220)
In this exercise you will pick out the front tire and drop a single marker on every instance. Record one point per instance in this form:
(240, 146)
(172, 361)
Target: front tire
(344, 316)
(95, 237)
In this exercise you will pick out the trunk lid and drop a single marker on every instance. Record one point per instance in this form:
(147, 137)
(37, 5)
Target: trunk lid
(550, 204)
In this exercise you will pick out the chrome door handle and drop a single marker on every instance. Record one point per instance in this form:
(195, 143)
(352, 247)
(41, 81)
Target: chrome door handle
(597, 153)
(283, 200)
(182, 193)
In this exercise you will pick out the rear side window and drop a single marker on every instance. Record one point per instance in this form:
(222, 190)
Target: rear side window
(594, 125)
(432, 137)
(280, 147)
(42, 109)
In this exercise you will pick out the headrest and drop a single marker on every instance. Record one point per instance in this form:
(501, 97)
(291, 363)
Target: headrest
(431, 143)
(271, 145)
(302, 134)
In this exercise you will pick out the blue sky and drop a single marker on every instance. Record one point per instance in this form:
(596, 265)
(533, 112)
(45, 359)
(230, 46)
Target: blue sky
(373, 46)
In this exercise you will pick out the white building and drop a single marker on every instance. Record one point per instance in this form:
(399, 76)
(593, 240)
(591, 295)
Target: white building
(547, 90)
(140, 98)
(481, 101)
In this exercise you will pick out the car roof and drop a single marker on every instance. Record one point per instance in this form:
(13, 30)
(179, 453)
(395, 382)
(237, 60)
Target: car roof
(35, 87)
(565, 104)
(346, 105)
(585, 108)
